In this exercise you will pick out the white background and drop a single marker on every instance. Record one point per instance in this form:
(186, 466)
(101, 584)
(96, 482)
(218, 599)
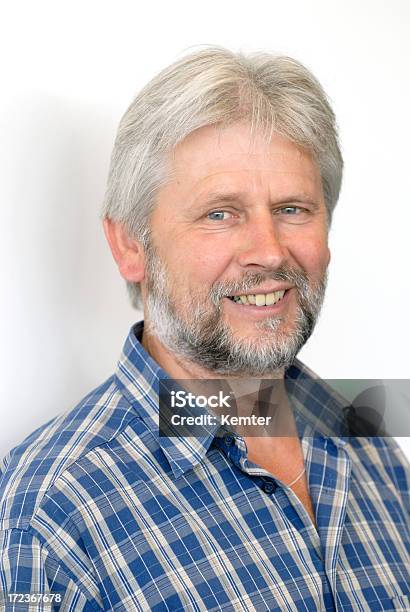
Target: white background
(70, 69)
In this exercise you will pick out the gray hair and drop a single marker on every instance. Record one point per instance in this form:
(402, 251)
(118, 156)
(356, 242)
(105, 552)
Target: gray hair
(215, 86)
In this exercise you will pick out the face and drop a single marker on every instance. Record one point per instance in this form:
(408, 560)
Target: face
(236, 267)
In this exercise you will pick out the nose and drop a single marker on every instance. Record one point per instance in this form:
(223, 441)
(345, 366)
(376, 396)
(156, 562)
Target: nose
(262, 244)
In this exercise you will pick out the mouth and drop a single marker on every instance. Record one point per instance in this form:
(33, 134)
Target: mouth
(260, 300)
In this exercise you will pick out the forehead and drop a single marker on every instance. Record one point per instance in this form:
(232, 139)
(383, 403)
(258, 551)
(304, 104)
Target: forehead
(216, 155)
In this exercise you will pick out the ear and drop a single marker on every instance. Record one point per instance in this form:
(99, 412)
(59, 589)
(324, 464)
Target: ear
(127, 252)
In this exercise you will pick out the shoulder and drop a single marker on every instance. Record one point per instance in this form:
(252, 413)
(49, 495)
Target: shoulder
(382, 459)
(385, 452)
(30, 469)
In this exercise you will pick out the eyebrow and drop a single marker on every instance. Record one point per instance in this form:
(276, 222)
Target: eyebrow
(227, 197)
(222, 197)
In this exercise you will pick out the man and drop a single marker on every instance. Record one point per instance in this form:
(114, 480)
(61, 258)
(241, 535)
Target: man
(224, 176)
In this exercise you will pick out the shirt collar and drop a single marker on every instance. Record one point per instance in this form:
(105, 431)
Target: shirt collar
(138, 377)
(319, 408)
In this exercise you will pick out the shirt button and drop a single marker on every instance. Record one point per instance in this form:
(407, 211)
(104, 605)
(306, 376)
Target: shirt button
(269, 487)
(229, 440)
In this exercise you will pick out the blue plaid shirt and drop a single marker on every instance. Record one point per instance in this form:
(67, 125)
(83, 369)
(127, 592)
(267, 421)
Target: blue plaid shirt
(100, 511)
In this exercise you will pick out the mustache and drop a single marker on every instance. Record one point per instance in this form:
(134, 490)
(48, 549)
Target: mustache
(251, 280)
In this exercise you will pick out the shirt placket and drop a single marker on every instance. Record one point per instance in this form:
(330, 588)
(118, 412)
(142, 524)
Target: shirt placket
(291, 508)
(328, 470)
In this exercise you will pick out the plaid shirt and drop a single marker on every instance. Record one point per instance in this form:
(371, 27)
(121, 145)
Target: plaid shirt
(99, 510)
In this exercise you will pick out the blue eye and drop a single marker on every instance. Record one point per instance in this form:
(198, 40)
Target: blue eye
(291, 210)
(217, 215)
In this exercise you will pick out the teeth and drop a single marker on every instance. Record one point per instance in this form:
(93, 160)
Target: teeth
(260, 299)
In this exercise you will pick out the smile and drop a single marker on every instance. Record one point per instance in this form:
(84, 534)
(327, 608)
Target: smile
(258, 299)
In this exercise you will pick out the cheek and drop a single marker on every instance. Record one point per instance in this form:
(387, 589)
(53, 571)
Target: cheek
(312, 255)
(201, 262)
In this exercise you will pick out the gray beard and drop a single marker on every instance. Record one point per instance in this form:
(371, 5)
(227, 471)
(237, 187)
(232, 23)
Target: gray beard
(207, 341)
